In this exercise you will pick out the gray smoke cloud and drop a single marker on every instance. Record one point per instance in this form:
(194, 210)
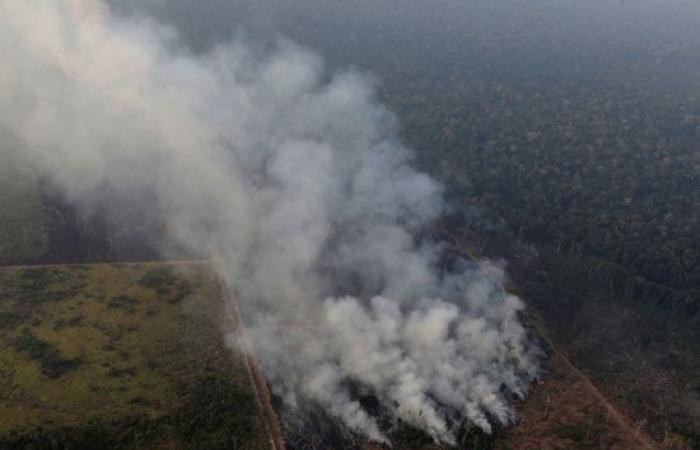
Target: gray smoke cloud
(291, 178)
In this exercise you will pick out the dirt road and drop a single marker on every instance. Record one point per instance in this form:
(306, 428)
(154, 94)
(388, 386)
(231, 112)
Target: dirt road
(255, 371)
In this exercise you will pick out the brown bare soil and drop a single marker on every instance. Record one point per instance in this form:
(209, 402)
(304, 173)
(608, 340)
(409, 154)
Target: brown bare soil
(255, 371)
(566, 411)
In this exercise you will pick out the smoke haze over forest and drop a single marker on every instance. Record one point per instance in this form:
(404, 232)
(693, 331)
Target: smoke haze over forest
(294, 180)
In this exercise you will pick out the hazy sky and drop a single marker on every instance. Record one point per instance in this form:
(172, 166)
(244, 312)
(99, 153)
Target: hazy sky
(637, 22)
(505, 39)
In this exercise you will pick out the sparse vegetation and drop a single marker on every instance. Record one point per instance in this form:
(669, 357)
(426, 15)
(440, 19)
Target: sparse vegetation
(160, 280)
(582, 435)
(166, 283)
(73, 322)
(52, 363)
(89, 376)
(123, 302)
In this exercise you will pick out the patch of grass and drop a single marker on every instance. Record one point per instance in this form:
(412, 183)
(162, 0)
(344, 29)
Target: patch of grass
(41, 284)
(123, 302)
(33, 283)
(160, 280)
(159, 377)
(52, 363)
(182, 290)
(164, 281)
(582, 435)
(121, 373)
(60, 294)
(216, 413)
(73, 322)
(40, 277)
(98, 434)
(10, 319)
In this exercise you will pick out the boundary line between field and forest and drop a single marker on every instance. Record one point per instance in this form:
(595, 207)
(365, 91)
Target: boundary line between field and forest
(153, 262)
(255, 372)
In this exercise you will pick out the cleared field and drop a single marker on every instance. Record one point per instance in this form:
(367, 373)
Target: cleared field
(565, 411)
(126, 356)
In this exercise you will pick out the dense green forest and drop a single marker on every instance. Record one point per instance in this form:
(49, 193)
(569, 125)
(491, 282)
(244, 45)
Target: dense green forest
(568, 137)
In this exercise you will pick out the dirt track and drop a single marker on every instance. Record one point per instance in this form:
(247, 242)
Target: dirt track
(614, 413)
(567, 397)
(255, 371)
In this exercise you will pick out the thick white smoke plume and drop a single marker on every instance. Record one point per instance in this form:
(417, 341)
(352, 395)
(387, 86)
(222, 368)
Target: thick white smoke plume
(293, 180)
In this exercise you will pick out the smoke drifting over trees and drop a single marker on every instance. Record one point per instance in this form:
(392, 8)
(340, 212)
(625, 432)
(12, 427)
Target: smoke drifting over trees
(294, 180)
